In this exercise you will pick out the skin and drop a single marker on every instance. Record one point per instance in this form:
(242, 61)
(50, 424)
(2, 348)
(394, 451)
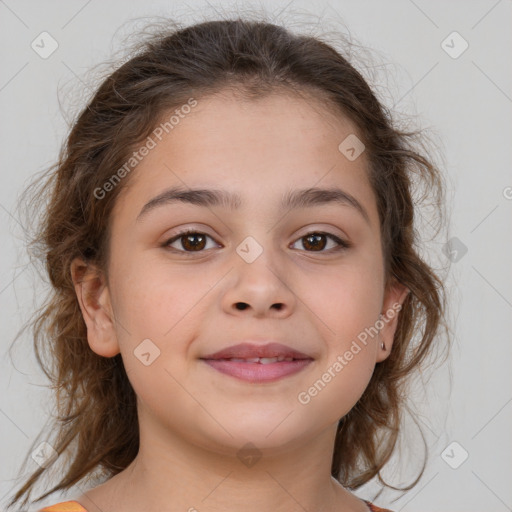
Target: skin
(194, 420)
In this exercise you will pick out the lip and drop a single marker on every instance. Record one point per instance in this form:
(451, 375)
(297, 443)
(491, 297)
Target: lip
(257, 371)
(249, 350)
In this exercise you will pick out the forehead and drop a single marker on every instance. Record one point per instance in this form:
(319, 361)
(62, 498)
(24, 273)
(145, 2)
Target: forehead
(258, 148)
(277, 121)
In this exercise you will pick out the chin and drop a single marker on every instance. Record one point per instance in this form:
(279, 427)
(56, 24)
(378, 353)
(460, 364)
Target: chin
(273, 434)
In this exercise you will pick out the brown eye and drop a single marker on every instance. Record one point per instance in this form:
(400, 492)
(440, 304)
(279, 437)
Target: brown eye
(193, 242)
(317, 241)
(314, 241)
(190, 241)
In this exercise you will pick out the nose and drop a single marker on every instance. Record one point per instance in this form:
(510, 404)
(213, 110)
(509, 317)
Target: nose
(259, 289)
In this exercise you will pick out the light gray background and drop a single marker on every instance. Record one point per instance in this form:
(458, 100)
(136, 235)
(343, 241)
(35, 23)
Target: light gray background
(466, 100)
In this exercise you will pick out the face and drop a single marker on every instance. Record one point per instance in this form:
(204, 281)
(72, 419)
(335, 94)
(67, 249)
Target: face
(256, 269)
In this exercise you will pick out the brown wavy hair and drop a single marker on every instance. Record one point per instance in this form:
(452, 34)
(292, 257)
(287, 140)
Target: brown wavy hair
(96, 426)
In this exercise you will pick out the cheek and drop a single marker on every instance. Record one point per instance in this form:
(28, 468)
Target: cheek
(345, 301)
(152, 300)
(346, 307)
(160, 311)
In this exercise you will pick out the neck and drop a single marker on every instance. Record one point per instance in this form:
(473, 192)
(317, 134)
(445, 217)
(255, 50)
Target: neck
(171, 474)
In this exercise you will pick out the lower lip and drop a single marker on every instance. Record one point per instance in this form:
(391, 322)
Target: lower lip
(257, 372)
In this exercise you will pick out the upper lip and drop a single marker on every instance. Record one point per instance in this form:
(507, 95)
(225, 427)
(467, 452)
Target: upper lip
(249, 350)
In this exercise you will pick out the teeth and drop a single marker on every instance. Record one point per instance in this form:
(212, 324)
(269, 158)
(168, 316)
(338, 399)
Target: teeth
(268, 360)
(261, 360)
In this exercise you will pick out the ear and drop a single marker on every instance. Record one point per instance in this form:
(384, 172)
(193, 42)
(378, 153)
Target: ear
(94, 299)
(394, 297)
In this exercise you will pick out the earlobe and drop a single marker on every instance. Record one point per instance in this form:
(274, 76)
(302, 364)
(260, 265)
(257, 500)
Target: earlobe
(394, 298)
(94, 299)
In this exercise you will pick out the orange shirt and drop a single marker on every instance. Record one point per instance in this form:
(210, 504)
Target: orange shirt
(74, 506)
(65, 506)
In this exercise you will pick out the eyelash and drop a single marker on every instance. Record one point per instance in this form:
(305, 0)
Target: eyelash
(342, 244)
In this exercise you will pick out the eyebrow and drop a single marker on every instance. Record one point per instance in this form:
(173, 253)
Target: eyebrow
(294, 199)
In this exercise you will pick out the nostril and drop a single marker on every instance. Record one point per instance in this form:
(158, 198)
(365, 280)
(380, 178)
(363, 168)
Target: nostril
(242, 305)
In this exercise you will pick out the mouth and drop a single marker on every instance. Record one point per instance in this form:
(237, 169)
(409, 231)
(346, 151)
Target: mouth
(258, 363)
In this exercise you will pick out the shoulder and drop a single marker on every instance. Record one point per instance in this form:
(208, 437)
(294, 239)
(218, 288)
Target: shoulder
(65, 506)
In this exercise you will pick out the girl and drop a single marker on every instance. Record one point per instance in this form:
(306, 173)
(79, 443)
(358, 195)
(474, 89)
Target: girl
(230, 240)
